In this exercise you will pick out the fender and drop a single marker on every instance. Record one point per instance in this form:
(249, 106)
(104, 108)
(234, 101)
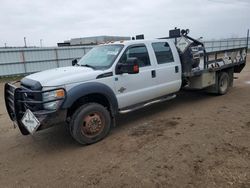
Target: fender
(90, 88)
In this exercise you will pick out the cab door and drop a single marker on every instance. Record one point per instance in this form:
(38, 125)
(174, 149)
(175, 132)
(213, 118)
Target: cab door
(132, 89)
(168, 68)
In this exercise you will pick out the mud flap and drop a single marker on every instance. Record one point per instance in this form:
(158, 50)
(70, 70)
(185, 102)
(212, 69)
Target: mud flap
(239, 68)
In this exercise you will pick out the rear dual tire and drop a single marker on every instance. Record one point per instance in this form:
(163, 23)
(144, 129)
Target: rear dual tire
(223, 83)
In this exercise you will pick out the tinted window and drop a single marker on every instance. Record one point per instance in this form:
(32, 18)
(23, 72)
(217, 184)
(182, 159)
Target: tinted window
(163, 52)
(140, 52)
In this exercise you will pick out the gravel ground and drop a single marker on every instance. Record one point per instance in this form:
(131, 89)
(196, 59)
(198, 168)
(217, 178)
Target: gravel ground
(195, 140)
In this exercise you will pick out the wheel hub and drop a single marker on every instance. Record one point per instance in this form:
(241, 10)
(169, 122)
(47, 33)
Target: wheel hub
(92, 124)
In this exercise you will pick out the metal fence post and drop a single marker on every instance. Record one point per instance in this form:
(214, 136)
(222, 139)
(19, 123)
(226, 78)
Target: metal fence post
(84, 51)
(247, 39)
(23, 61)
(57, 60)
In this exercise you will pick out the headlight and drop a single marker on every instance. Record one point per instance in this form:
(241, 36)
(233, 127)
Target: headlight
(53, 95)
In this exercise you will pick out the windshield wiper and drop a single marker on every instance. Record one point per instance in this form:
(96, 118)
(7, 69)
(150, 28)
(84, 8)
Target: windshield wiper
(90, 66)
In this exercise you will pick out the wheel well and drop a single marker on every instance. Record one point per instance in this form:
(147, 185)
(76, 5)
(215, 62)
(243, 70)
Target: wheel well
(96, 98)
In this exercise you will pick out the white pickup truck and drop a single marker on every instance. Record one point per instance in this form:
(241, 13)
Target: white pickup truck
(117, 78)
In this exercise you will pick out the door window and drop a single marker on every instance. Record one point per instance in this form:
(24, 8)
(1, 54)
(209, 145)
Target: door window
(163, 52)
(140, 52)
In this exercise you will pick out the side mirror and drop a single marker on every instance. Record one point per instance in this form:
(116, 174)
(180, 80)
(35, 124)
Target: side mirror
(131, 66)
(74, 62)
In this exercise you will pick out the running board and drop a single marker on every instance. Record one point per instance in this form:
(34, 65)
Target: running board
(147, 104)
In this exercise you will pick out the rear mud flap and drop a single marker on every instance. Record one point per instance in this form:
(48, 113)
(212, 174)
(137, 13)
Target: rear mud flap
(239, 68)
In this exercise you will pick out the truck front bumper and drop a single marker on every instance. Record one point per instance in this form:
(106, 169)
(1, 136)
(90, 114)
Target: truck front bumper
(19, 99)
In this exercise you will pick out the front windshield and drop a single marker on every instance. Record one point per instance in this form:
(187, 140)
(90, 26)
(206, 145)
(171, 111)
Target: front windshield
(101, 57)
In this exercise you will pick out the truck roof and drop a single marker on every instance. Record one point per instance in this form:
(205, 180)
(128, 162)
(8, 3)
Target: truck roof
(131, 42)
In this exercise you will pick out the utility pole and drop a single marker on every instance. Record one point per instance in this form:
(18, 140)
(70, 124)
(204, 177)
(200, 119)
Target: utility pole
(25, 44)
(41, 43)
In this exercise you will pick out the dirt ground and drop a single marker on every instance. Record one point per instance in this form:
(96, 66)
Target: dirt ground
(195, 140)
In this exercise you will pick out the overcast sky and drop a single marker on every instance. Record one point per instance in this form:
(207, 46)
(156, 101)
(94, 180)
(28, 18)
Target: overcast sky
(58, 20)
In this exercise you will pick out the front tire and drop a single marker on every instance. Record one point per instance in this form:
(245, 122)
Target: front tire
(90, 123)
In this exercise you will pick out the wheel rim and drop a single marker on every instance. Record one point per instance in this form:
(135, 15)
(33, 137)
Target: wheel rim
(93, 124)
(223, 84)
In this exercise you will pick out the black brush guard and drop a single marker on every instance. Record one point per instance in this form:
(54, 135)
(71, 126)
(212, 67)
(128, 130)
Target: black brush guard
(19, 99)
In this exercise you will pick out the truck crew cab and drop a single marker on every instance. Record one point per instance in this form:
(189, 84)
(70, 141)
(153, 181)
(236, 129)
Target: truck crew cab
(117, 78)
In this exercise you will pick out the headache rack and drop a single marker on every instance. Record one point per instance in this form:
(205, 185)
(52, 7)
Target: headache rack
(195, 60)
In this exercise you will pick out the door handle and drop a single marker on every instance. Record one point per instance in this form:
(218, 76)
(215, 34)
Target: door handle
(176, 69)
(153, 73)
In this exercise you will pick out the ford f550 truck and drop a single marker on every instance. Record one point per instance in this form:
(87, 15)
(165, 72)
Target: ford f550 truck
(118, 78)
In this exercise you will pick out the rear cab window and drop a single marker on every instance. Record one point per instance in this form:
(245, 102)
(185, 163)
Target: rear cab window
(163, 52)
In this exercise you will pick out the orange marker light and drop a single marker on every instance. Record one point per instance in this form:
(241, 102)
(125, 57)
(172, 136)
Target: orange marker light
(60, 93)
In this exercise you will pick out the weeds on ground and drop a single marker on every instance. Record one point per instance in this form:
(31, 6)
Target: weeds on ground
(10, 78)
